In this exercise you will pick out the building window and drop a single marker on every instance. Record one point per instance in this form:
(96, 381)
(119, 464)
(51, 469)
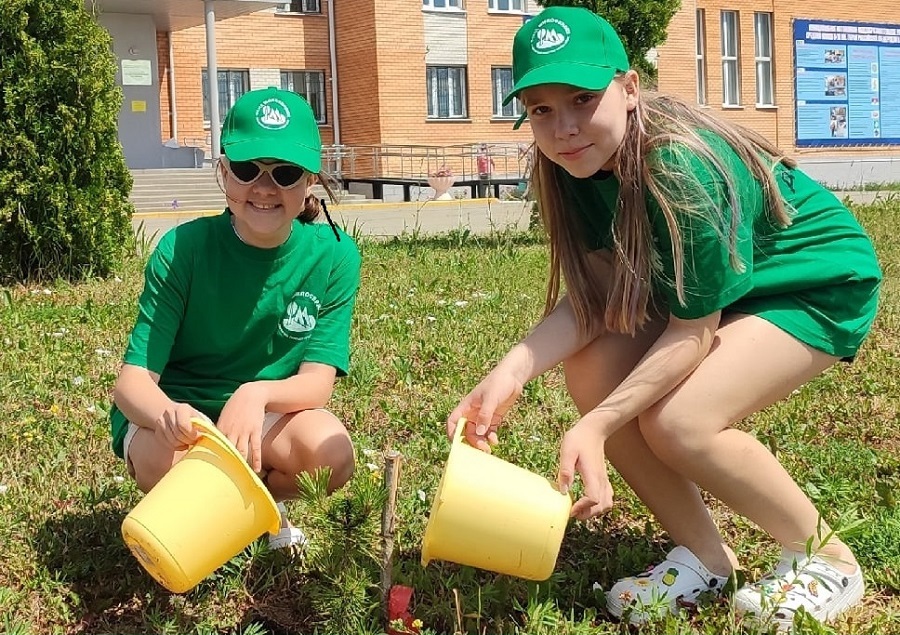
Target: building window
(502, 82)
(309, 84)
(731, 72)
(447, 94)
(232, 84)
(700, 35)
(507, 6)
(442, 4)
(762, 25)
(299, 6)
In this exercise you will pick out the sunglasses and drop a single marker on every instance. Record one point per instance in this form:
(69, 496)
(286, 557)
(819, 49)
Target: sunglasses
(284, 175)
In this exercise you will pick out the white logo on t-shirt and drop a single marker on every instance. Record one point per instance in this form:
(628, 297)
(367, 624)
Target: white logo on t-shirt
(300, 316)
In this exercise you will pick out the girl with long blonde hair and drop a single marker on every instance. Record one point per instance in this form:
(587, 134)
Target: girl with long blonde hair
(706, 278)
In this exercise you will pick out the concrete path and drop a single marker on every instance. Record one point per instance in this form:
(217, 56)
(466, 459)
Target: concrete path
(385, 220)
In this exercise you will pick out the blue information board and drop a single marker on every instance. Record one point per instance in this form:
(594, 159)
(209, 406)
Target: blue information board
(847, 84)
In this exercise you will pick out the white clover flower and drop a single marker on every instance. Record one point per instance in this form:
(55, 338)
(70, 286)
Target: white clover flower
(4, 489)
(421, 495)
(372, 467)
(47, 292)
(369, 452)
(441, 302)
(77, 380)
(102, 352)
(461, 303)
(117, 279)
(119, 479)
(479, 294)
(430, 318)
(7, 341)
(92, 409)
(410, 322)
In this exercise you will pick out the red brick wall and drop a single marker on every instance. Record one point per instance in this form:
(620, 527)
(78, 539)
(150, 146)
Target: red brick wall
(258, 40)
(677, 75)
(358, 72)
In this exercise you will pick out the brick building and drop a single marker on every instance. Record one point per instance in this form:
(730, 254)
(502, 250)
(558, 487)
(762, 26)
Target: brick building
(432, 72)
(819, 79)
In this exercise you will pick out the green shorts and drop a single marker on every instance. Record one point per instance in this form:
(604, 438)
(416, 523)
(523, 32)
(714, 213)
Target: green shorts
(834, 319)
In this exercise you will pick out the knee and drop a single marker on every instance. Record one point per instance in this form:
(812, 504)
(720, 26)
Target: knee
(674, 434)
(149, 469)
(338, 455)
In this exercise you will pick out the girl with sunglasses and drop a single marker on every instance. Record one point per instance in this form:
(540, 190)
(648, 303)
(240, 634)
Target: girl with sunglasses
(244, 318)
(706, 278)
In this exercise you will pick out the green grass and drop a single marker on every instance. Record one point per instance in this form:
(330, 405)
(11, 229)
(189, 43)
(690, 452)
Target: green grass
(433, 316)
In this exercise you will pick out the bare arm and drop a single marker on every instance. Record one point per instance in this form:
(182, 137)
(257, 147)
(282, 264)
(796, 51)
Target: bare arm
(554, 339)
(674, 355)
(311, 387)
(242, 417)
(142, 401)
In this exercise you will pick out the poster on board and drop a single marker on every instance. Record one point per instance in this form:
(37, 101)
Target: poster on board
(847, 83)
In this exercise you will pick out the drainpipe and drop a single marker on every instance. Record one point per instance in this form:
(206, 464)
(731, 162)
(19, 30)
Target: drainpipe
(212, 75)
(173, 111)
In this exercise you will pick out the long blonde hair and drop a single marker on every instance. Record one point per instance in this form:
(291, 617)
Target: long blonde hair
(656, 122)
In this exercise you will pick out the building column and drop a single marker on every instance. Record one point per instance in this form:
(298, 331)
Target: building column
(212, 75)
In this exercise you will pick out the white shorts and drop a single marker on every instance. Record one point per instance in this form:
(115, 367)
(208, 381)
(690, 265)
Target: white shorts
(269, 422)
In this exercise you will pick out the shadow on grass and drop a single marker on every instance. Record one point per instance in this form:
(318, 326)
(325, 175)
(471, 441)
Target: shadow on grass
(446, 593)
(85, 552)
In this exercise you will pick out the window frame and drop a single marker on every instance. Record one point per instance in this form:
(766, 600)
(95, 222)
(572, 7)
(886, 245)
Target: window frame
(455, 73)
(498, 92)
(700, 53)
(764, 60)
(731, 57)
(286, 8)
(320, 105)
(494, 8)
(224, 104)
(449, 5)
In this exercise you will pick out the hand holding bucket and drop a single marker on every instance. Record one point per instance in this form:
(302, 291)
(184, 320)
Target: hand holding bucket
(202, 513)
(491, 514)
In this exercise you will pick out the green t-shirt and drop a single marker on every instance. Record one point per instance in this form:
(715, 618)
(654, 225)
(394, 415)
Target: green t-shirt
(817, 279)
(216, 313)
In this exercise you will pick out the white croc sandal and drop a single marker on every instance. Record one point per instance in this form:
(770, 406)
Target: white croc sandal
(289, 536)
(823, 590)
(681, 577)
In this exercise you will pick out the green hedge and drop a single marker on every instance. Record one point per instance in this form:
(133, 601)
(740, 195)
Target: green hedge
(64, 185)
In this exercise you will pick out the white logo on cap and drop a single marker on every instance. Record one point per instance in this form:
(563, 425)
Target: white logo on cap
(273, 114)
(551, 35)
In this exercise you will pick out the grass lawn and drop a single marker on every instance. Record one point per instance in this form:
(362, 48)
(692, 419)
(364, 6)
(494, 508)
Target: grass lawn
(433, 316)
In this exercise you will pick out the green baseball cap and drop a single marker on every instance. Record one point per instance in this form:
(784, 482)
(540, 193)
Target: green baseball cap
(566, 45)
(271, 123)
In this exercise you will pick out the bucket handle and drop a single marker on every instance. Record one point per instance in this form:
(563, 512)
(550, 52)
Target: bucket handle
(458, 433)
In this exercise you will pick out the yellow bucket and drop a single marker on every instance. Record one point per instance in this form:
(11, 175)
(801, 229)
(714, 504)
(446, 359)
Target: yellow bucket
(491, 514)
(202, 513)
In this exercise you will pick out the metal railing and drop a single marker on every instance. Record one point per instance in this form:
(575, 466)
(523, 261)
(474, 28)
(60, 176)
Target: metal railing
(467, 161)
(417, 162)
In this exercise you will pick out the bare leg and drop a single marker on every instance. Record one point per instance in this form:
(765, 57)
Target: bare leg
(752, 365)
(149, 459)
(302, 442)
(591, 375)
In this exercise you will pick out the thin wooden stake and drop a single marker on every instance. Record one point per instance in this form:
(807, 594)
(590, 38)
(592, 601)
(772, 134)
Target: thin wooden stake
(392, 460)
